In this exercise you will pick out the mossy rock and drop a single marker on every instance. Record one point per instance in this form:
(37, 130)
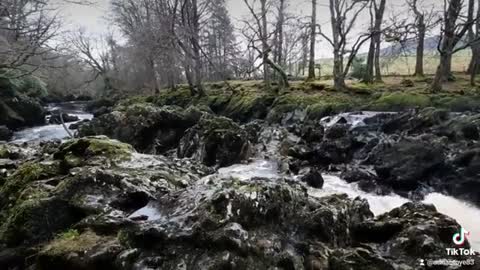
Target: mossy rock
(248, 106)
(457, 103)
(398, 101)
(16, 183)
(180, 97)
(75, 151)
(4, 152)
(79, 251)
(33, 221)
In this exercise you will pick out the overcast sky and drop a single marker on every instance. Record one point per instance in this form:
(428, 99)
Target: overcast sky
(94, 17)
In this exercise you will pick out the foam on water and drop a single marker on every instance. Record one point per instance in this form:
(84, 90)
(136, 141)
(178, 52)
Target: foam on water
(150, 211)
(256, 168)
(47, 132)
(353, 119)
(466, 214)
(378, 204)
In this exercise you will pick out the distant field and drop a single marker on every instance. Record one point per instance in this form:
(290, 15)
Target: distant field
(405, 65)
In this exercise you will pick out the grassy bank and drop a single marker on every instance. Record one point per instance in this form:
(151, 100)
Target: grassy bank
(245, 100)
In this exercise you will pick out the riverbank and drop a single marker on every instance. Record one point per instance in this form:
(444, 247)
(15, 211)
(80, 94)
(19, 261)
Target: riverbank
(176, 182)
(245, 101)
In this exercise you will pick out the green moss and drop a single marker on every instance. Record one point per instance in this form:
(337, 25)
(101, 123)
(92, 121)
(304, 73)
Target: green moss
(36, 220)
(73, 242)
(457, 103)
(89, 147)
(135, 100)
(70, 234)
(246, 105)
(4, 153)
(22, 177)
(398, 101)
(181, 97)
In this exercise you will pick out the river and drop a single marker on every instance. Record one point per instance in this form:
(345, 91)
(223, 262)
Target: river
(466, 214)
(52, 132)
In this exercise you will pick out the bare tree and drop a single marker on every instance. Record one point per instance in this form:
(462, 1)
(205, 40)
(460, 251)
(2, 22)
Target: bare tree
(26, 27)
(373, 58)
(95, 53)
(474, 36)
(344, 14)
(452, 33)
(259, 33)
(313, 32)
(421, 32)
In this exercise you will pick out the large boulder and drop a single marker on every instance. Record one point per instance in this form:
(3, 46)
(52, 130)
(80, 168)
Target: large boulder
(21, 112)
(55, 118)
(148, 128)
(5, 133)
(96, 204)
(216, 141)
(406, 164)
(44, 198)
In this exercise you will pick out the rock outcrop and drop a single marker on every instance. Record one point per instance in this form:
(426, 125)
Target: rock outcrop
(216, 141)
(20, 112)
(5, 133)
(148, 128)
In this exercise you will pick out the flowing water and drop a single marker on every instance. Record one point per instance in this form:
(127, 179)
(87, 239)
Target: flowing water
(52, 132)
(263, 166)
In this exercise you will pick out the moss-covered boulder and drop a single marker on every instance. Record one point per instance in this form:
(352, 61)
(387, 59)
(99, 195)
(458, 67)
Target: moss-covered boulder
(215, 141)
(398, 101)
(33, 221)
(147, 127)
(5, 133)
(79, 251)
(15, 184)
(92, 150)
(21, 112)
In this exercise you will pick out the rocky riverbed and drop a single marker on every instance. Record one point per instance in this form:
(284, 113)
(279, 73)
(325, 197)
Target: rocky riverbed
(183, 188)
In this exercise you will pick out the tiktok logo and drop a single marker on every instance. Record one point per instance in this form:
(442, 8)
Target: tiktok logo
(460, 238)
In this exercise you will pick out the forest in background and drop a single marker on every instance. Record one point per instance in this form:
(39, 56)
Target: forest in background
(165, 43)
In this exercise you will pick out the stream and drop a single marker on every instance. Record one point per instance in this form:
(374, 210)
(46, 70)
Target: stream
(52, 132)
(466, 214)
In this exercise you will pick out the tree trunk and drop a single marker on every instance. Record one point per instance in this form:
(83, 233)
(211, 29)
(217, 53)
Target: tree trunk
(373, 58)
(378, 70)
(196, 50)
(265, 47)
(368, 76)
(280, 36)
(449, 41)
(311, 65)
(420, 46)
(338, 72)
(439, 75)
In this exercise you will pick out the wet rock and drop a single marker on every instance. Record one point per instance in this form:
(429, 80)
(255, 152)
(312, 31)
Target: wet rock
(336, 131)
(407, 163)
(84, 251)
(76, 126)
(312, 133)
(55, 118)
(312, 177)
(5, 133)
(357, 174)
(20, 112)
(414, 122)
(215, 141)
(148, 128)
